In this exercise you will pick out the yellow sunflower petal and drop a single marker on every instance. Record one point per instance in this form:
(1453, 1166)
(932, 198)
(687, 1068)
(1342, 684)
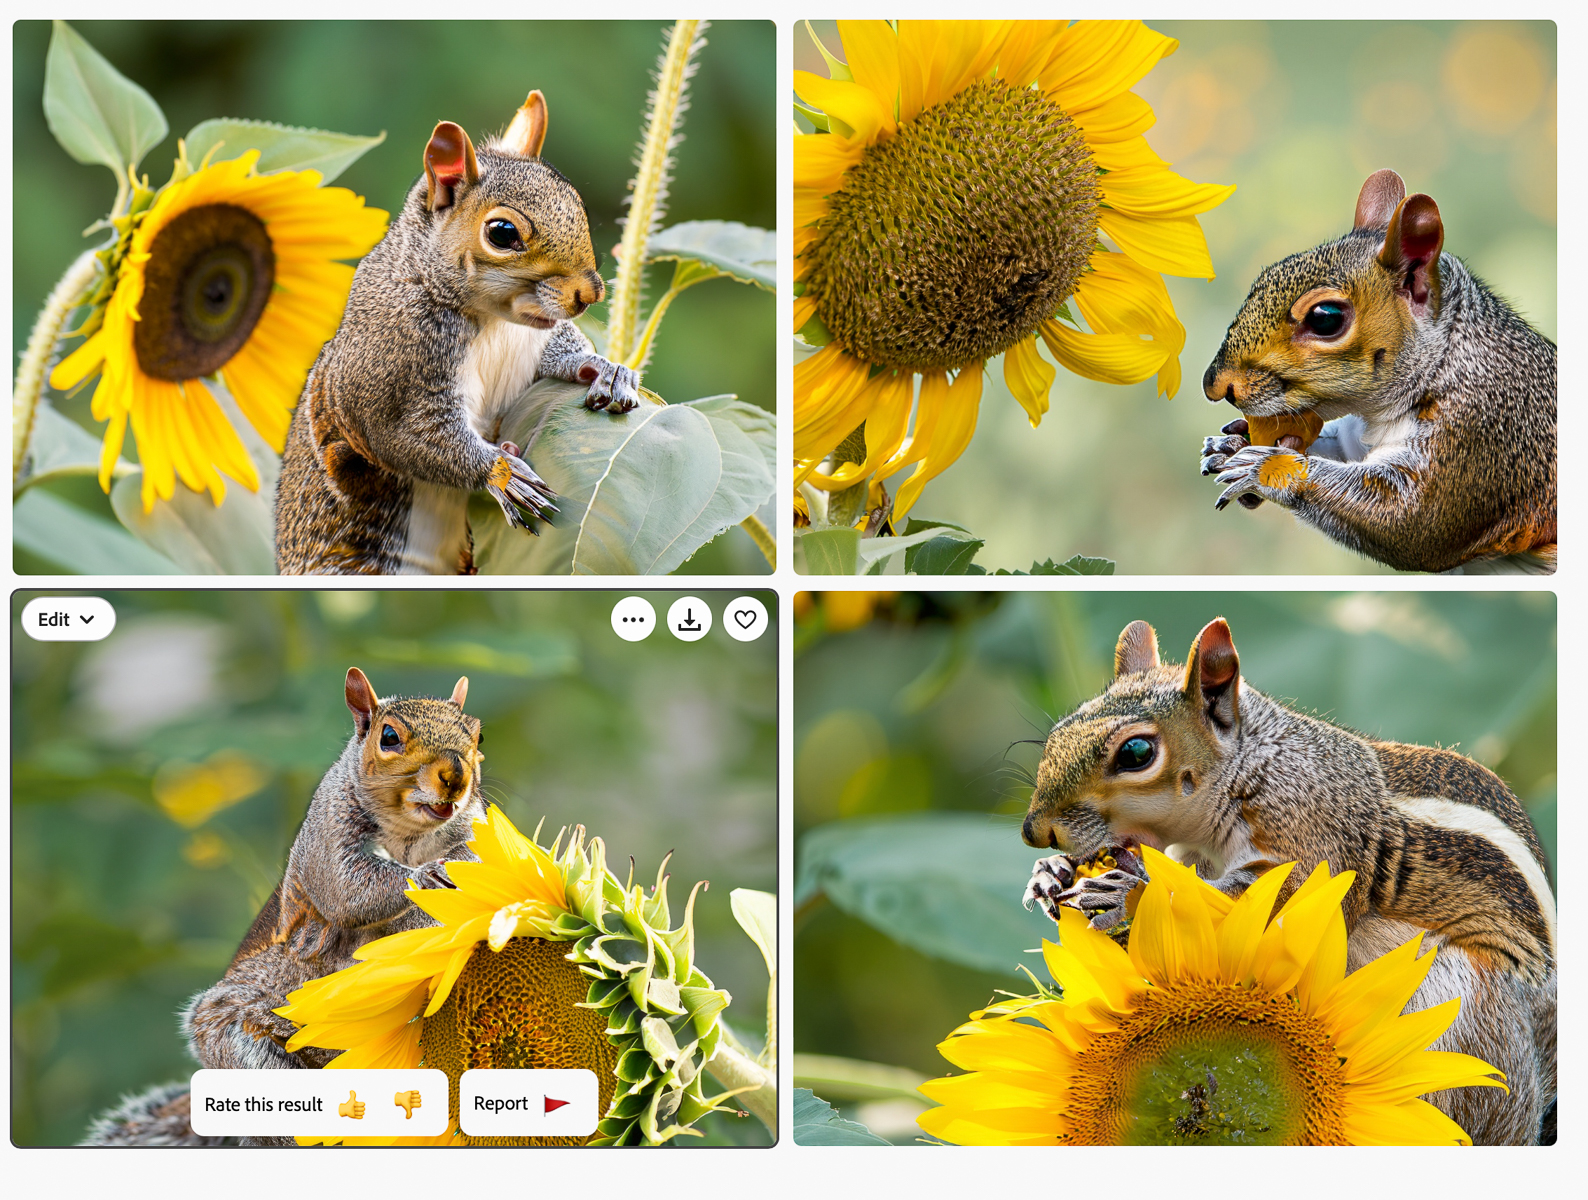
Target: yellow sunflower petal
(110, 450)
(1153, 191)
(1424, 1072)
(1028, 48)
(1106, 357)
(938, 58)
(1412, 1123)
(1241, 931)
(1094, 61)
(892, 395)
(80, 363)
(945, 438)
(1291, 939)
(820, 160)
(1120, 296)
(1173, 245)
(804, 310)
(1029, 378)
(1120, 119)
(856, 106)
(830, 401)
(1388, 1045)
(873, 52)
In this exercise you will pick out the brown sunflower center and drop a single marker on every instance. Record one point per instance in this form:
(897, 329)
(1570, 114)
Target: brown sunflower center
(1209, 1064)
(517, 1008)
(955, 239)
(205, 286)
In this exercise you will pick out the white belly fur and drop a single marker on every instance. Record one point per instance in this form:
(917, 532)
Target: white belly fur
(501, 362)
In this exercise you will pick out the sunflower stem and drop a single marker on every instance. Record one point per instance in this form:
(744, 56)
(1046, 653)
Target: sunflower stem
(734, 1067)
(67, 294)
(762, 537)
(648, 189)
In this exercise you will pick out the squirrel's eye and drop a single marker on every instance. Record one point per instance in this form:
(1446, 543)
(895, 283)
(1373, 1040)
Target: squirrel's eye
(503, 235)
(389, 739)
(1134, 755)
(1326, 319)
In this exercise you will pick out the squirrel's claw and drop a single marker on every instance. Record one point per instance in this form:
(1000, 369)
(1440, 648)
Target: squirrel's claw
(1241, 474)
(613, 387)
(1217, 450)
(518, 490)
(1050, 879)
(433, 874)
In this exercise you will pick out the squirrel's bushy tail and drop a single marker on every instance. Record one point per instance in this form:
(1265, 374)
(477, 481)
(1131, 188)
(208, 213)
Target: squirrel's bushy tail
(157, 1116)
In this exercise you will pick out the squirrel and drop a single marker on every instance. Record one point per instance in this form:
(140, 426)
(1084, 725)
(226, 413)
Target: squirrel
(1193, 758)
(1438, 450)
(468, 299)
(397, 805)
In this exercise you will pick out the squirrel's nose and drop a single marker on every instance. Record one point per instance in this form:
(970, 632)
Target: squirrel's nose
(1223, 384)
(1038, 831)
(452, 776)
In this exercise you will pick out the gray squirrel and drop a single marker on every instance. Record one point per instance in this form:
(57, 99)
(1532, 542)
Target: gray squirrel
(468, 299)
(396, 807)
(1192, 757)
(1436, 401)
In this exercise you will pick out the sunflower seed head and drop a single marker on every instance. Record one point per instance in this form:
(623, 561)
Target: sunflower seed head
(956, 238)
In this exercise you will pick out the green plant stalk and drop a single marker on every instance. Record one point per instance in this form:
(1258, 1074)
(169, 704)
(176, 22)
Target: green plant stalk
(63, 298)
(733, 1067)
(762, 537)
(649, 189)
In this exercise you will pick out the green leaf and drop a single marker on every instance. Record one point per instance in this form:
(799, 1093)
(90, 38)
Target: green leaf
(947, 884)
(79, 542)
(637, 493)
(234, 538)
(756, 913)
(96, 113)
(281, 147)
(1074, 565)
(747, 253)
(950, 553)
(828, 551)
(817, 1123)
(60, 447)
(875, 551)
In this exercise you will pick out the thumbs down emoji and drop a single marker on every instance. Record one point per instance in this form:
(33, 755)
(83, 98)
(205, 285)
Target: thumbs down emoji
(408, 1101)
(352, 1107)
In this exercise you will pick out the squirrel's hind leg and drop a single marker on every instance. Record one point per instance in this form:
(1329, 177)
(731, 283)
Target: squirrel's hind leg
(231, 1026)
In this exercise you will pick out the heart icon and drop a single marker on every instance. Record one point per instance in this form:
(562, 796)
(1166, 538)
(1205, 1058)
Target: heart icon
(744, 618)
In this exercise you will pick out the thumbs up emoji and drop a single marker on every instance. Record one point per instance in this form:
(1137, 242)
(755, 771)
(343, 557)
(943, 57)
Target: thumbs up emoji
(408, 1101)
(354, 1107)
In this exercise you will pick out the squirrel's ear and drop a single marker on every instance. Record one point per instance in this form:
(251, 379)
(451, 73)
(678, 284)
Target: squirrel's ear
(361, 701)
(449, 161)
(527, 134)
(461, 692)
(1411, 247)
(1213, 674)
(1136, 650)
(1381, 195)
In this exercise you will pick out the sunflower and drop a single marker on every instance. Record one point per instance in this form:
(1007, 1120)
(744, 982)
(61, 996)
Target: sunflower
(539, 959)
(225, 273)
(948, 209)
(1218, 1026)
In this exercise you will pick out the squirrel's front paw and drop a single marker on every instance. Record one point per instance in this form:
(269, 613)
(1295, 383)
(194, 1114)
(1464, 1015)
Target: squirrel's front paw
(518, 489)
(1267, 472)
(433, 874)
(1050, 879)
(1103, 886)
(613, 387)
(1217, 449)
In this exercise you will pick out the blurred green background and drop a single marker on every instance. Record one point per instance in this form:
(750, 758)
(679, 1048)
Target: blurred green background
(908, 773)
(1296, 114)
(402, 77)
(158, 778)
